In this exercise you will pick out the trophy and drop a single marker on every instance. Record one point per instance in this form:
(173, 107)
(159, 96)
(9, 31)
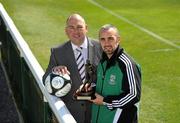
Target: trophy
(82, 93)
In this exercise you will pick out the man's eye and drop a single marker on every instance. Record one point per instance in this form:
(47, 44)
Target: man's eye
(79, 27)
(102, 39)
(111, 38)
(70, 27)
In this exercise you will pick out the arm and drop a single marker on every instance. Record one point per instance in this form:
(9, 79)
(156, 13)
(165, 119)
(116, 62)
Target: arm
(54, 67)
(131, 86)
(52, 63)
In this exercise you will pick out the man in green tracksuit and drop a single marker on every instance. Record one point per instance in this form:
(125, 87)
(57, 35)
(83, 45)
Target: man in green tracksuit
(118, 86)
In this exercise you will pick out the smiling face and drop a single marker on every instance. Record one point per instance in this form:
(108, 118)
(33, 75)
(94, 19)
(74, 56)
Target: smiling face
(109, 40)
(76, 29)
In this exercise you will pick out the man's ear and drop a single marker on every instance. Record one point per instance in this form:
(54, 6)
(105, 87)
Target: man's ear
(119, 39)
(65, 30)
(86, 27)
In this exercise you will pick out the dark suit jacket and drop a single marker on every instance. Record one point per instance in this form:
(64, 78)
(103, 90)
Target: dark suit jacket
(63, 55)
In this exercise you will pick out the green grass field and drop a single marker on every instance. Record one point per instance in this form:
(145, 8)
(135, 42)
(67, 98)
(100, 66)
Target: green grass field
(41, 23)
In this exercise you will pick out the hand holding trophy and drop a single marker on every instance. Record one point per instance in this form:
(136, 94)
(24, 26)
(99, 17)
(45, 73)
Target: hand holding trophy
(86, 90)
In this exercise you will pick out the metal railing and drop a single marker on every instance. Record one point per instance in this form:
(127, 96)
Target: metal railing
(25, 76)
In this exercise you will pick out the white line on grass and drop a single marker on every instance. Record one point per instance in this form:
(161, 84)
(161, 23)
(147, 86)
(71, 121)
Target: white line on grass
(135, 25)
(161, 50)
(176, 41)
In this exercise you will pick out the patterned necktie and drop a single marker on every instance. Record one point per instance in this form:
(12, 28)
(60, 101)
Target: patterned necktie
(80, 64)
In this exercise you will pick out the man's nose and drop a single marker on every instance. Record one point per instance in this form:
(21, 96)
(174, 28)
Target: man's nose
(106, 41)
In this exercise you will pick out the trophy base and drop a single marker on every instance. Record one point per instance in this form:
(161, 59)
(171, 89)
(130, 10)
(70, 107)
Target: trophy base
(83, 98)
(84, 95)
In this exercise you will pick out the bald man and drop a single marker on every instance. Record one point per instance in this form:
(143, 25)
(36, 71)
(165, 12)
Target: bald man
(63, 57)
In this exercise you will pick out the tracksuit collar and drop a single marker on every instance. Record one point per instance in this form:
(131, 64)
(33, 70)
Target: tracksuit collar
(113, 58)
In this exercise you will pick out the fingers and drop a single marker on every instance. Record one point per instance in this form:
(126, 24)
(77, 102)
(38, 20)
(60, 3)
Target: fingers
(85, 87)
(64, 70)
(88, 87)
(61, 70)
(98, 100)
(81, 87)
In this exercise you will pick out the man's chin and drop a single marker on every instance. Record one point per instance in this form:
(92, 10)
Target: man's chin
(77, 41)
(109, 52)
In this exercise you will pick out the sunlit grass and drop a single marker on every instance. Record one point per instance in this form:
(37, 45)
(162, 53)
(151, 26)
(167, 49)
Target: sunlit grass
(41, 23)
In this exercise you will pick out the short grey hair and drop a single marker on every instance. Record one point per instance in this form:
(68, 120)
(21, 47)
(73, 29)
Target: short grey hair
(109, 26)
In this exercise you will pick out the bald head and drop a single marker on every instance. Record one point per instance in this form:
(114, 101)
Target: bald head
(75, 17)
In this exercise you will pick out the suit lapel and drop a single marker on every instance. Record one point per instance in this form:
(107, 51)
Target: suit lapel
(70, 54)
(72, 66)
(91, 51)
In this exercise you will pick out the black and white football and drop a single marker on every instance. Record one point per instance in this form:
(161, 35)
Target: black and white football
(58, 85)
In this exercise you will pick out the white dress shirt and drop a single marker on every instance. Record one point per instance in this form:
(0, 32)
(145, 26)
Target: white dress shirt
(84, 47)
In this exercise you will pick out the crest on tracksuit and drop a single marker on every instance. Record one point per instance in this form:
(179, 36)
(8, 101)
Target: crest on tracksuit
(112, 79)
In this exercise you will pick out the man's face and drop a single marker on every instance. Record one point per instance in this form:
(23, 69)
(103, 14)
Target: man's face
(109, 41)
(76, 30)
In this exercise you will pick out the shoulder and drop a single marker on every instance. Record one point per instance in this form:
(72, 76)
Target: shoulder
(95, 43)
(125, 57)
(61, 47)
(128, 61)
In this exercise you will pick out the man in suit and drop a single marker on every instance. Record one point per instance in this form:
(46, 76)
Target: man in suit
(63, 59)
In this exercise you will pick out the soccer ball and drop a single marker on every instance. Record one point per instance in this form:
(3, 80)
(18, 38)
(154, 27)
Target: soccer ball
(57, 84)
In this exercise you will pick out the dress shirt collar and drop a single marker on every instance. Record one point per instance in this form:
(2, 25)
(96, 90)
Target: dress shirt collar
(83, 45)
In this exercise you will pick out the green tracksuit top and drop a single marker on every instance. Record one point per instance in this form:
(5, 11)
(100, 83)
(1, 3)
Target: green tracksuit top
(112, 85)
(119, 82)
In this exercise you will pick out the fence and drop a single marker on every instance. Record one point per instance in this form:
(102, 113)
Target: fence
(25, 77)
